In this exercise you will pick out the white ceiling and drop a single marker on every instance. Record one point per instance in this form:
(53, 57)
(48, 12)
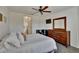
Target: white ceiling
(28, 9)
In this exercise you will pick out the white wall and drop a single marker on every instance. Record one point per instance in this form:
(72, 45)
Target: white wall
(72, 19)
(39, 22)
(72, 23)
(4, 11)
(16, 21)
(13, 19)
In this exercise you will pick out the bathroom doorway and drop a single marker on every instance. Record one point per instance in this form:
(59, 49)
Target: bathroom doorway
(28, 22)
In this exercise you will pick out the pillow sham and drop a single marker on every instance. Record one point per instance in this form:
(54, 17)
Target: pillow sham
(20, 37)
(24, 35)
(3, 40)
(12, 41)
(8, 46)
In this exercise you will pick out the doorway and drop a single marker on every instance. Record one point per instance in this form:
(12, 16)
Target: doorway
(28, 22)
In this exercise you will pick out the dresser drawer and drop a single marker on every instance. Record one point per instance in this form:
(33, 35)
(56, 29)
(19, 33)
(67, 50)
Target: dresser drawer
(60, 36)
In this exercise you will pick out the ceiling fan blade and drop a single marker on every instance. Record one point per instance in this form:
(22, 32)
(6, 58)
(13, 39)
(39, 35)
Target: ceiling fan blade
(47, 11)
(35, 9)
(45, 8)
(41, 12)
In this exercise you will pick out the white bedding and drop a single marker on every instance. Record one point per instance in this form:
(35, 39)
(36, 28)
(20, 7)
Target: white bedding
(36, 43)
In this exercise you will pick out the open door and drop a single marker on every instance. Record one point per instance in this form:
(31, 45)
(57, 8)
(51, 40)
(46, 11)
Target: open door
(28, 20)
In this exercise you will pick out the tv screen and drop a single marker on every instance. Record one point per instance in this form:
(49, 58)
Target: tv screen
(48, 21)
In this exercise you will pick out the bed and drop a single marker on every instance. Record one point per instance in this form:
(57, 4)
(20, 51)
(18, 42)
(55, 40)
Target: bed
(35, 43)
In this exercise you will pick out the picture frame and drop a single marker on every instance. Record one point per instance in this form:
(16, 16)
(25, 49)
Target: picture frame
(48, 21)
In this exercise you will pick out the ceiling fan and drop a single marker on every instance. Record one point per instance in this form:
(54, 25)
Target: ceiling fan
(41, 10)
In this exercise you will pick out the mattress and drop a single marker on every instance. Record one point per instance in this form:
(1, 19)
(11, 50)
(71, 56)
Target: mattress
(35, 43)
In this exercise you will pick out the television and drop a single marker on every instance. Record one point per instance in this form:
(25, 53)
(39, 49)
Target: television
(48, 21)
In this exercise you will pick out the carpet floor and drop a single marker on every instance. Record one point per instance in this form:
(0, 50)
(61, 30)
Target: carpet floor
(69, 49)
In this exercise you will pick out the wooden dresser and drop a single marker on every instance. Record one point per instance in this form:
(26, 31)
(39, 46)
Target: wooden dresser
(60, 36)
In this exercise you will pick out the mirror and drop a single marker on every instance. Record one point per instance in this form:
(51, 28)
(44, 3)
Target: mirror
(59, 23)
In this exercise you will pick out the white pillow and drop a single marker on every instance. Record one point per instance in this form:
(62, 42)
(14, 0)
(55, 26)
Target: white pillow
(7, 46)
(3, 40)
(12, 41)
(24, 35)
(20, 37)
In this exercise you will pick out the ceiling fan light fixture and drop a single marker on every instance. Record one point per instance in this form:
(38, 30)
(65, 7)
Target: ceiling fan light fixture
(41, 9)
